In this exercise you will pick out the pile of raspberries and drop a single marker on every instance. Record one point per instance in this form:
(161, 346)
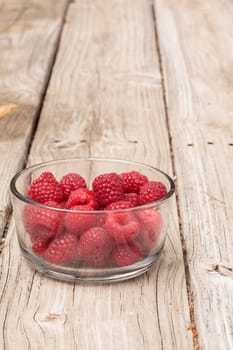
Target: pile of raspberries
(100, 228)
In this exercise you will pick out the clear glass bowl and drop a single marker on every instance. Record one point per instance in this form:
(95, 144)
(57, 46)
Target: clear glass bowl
(149, 222)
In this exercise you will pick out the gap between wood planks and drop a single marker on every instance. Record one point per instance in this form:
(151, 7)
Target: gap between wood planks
(37, 117)
(192, 325)
(47, 81)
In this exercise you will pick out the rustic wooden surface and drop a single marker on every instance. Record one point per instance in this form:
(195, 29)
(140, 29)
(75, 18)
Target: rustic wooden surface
(29, 31)
(135, 79)
(198, 76)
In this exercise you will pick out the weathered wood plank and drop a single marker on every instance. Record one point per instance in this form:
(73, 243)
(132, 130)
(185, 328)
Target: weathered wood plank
(197, 58)
(28, 36)
(104, 99)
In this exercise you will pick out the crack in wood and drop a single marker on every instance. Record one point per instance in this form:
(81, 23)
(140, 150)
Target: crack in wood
(140, 330)
(2, 244)
(214, 198)
(47, 81)
(226, 271)
(157, 309)
(4, 231)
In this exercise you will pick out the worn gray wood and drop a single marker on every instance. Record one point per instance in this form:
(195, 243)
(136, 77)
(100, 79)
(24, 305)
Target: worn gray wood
(29, 32)
(197, 59)
(105, 98)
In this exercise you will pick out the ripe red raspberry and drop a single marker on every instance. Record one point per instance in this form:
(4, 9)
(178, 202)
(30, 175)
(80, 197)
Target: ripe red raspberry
(42, 222)
(133, 198)
(122, 226)
(150, 221)
(133, 181)
(100, 261)
(40, 246)
(45, 188)
(71, 182)
(108, 188)
(100, 219)
(62, 250)
(126, 254)
(152, 191)
(77, 223)
(95, 247)
(54, 204)
(119, 205)
(82, 196)
(40, 232)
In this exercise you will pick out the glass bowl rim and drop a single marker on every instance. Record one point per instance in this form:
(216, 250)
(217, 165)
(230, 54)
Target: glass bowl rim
(27, 200)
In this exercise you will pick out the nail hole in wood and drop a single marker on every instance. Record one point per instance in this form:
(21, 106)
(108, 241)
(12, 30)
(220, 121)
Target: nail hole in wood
(190, 144)
(230, 144)
(133, 141)
(210, 143)
(56, 141)
(83, 141)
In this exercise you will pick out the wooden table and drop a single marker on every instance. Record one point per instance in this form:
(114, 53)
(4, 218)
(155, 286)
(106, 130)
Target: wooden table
(145, 80)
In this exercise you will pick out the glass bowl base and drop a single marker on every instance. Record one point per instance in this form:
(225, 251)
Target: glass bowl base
(91, 275)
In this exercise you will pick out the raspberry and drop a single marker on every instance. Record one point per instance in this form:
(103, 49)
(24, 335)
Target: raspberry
(100, 219)
(127, 254)
(82, 196)
(133, 198)
(63, 205)
(40, 246)
(149, 219)
(100, 261)
(42, 222)
(62, 250)
(45, 188)
(108, 188)
(54, 204)
(118, 205)
(77, 223)
(95, 247)
(133, 181)
(70, 183)
(122, 226)
(152, 191)
(40, 232)
(150, 222)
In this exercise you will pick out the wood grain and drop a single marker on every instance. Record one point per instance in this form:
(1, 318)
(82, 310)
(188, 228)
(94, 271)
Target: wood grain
(197, 58)
(105, 98)
(28, 35)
